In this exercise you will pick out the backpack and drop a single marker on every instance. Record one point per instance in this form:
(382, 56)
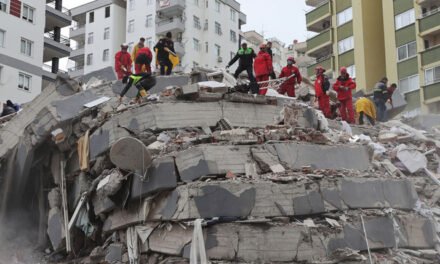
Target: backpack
(325, 84)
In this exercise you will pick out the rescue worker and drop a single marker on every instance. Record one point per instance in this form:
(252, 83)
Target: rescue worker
(365, 107)
(143, 82)
(263, 68)
(391, 91)
(123, 62)
(269, 50)
(245, 57)
(143, 60)
(322, 87)
(294, 77)
(343, 86)
(380, 97)
(136, 48)
(164, 47)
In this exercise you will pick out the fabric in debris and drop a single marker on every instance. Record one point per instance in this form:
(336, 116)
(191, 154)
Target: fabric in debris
(198, 252)
(132, 245)
(83, 151)
(83, 223)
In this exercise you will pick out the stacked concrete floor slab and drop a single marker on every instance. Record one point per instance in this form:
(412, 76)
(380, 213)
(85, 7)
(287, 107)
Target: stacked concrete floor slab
(272, 180)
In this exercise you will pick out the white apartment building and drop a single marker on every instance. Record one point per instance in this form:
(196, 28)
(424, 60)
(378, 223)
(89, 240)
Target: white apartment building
(30, 34)
(298, 51)
(98, 31)
(206, 33)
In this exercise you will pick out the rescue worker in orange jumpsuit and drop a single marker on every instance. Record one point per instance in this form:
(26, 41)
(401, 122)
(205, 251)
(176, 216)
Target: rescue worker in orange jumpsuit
(322, 87)
(123, 62)
(143, 60)
(343, 86)
(263, 68)
(294, 77)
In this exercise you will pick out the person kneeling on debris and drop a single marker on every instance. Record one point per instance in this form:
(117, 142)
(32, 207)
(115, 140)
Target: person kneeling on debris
(365, 107)
(143, 82)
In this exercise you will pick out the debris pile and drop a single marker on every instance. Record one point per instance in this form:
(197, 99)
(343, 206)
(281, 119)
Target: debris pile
(203, 173)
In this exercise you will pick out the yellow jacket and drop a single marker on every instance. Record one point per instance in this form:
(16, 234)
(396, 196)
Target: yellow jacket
(365, 105)
(134, 53)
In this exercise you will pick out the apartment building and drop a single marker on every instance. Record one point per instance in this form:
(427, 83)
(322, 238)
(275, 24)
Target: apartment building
(206, 32)
(97, 33)
(30, 35)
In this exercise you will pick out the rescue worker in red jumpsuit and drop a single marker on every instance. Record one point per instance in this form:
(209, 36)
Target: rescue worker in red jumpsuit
(143, 60)
(294, 77)
(343, 86)
(322, 86)
(263, 68)
(123, 62)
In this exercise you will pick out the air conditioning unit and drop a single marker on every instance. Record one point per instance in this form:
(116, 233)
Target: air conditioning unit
(219, 59)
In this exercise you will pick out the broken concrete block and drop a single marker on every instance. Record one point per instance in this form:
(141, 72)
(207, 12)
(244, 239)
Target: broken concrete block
(114, 253)
(170, 242)
(133, 215)
(130, 154)
(267, 161)
(156, 147)
(160, 176)
(250, 115)
(416, 232)
(55, 228)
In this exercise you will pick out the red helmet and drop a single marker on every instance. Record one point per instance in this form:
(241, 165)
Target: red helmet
(262, 46)
(292, 59)
(319, 69)
(343, 70)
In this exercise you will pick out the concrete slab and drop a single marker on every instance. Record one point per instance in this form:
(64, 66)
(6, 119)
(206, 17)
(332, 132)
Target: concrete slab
(130, 154)
(170, 242)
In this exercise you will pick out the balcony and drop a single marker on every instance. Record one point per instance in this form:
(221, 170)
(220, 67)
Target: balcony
(170, 8)
(429, 23)
(179, 48)
(315, 3)
(78, 32)
(326, 62)
(319, 18)
(432, 91)
(431, 55)
(173, 25)
(55, 46)
(76, 71)
(57, 16)
(77, 53)
(320, 45)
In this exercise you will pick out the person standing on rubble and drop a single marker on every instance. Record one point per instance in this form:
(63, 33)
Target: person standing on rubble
(391, 91)
(164, 48)
(136, 48)
(245, 57)
(380, 97)
(143, 60)
(365, 107)
(143, 82)
(291, 72)
(269, 50)
(322, 87)
(263, 68)
(123, 62)
(343, 86)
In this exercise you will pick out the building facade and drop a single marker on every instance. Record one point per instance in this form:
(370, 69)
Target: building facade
(206, 32)
(398, 39)
(30, 35)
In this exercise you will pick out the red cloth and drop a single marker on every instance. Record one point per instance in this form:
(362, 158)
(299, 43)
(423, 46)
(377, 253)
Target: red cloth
(346, 110)
(289, 85)
(263, 64)
(344, 94)
(263, 87)
(122, 59)
(138, 67)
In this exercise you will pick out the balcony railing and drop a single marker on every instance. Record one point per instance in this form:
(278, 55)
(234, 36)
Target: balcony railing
(48, 68)
(61, 39)
(76, 68)
(78, 46)
(319, 11)
(430, 12)
(77, 26)
(430, 20)
(320, 39)
(63, 9)
(431, 55)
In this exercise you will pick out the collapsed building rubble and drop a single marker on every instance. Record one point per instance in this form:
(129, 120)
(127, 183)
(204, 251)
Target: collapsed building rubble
(270, 179)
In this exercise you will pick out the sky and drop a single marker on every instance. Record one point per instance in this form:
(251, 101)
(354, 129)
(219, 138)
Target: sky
(283, 19)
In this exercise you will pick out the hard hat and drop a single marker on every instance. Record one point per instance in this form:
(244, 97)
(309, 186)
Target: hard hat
(319, 68)
(291, 59)
(343, 70)
(262, 46)
(124, 45)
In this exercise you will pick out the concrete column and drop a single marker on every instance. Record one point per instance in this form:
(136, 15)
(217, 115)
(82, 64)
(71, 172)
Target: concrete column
(55, 65)
(57, 34)
(59, 5)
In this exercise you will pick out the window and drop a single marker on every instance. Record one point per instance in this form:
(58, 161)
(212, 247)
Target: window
(207, 3)
(197, 23)
(131, 5)
(107, 11)
(106, 33)
(91, 17)
(405, 19)
(233, 15)
(409, 84)
(130, 26)
(149, 21)
(351, 70)
(90, 38)
(218, 50)
(196, 44)
(196, 2)
(345, 16)
(206, 26)
(90, 59)
(233, 36)
(28, 13)
(432, 75)
(24, 81)
(218, 29)
(3, 5)
(26, 47)
(105, 55)
(217, 6)
(406, 51)
(149, 2)
(345, 45)
(2, 38)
